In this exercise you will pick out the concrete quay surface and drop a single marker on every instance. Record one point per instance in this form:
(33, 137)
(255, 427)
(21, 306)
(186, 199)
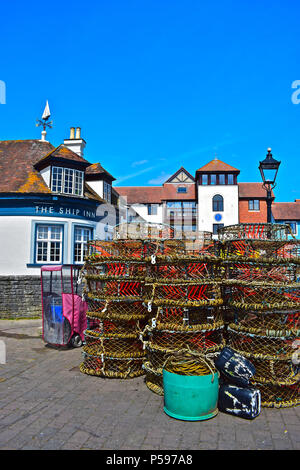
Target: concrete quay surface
(47, 403)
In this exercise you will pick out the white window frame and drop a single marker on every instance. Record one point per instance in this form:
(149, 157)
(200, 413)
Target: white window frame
(152, 209)
(70, 182)
(82, 242)
(253, 205)
(48, 243)
(107, 191)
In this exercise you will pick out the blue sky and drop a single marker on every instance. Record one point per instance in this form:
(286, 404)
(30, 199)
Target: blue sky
(158, 84)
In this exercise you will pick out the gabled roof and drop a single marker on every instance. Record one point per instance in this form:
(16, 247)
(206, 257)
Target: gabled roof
(96, 170)
(286, 210)
(181, 176)
(61, 153)
(252, 190)
(217, 165)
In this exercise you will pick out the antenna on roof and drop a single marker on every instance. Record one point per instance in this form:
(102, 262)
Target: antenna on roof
(43, 122)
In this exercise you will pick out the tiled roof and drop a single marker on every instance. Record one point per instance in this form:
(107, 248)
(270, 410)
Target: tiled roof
(286, 210)
(17, 166)
(217, 165)
(140, 194)
(96, 170)
(17, 160)
(252, 190)
(155, 194)
(62, 152)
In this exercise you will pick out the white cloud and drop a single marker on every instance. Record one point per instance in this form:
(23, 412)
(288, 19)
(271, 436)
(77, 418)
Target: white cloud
(133, 175)
(139, 162)
(160, 179)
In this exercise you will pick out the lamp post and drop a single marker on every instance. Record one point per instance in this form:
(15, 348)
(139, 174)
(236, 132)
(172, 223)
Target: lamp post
(268, 169)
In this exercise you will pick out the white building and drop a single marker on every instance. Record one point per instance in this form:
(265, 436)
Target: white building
(204, 203)
(52, 201)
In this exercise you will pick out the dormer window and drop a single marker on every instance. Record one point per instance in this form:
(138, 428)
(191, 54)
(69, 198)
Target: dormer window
(107, 191)
(67, 181)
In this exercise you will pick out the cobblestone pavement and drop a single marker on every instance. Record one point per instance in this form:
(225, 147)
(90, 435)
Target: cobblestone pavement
(47, 403)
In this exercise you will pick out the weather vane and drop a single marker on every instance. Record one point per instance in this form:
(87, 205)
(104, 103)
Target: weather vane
(43, 122)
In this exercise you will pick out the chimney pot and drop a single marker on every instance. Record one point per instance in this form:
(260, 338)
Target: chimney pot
(72, 133)
(78, 132)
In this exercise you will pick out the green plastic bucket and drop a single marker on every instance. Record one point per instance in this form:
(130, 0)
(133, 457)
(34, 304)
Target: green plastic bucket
(190, 397)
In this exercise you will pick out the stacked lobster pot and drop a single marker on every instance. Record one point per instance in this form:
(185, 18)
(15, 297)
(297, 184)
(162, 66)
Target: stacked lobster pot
(183, 297)
(262, 275)
(114, 274)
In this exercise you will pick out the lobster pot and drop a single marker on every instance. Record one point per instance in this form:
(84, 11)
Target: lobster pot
(260, 296)
(268, 343)
(116, 310)
(275, 370)
(285, 322)
(272, 353)
(252, 271)
(119, 250)
(114, 282)
(178, 317)
(163, 343)
(258, 242)
(184, 294)
(204, 341)
(113, 349)
(120, 368)
(184, 269)
(100, 271)
(144, 230)
(256, 231)
(276, 395)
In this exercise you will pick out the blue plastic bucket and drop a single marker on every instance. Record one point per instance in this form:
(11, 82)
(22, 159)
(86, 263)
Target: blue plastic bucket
(190, 397)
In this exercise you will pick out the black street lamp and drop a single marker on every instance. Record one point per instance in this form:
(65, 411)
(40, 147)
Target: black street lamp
(268, 169)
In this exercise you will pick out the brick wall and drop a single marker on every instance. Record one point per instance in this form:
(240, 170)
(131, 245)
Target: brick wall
(20, 297)
(246, 216)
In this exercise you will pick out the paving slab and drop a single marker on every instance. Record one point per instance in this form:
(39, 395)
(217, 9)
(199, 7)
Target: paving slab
(47, 403)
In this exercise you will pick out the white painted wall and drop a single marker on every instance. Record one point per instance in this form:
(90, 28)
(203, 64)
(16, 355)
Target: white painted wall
(16, 242)
(105, 227)
(45, 173)
(230, 215)
(142, 210)
(97, 186)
